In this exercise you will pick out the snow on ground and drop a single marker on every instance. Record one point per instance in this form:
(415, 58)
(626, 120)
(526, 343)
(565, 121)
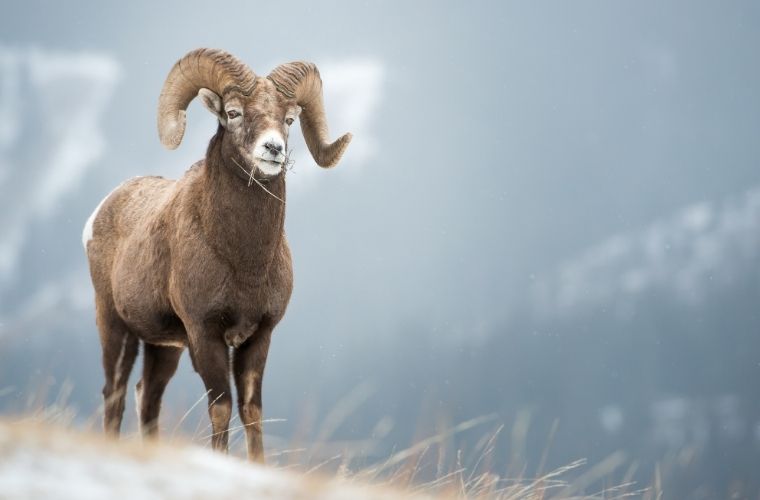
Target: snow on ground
(37, 461)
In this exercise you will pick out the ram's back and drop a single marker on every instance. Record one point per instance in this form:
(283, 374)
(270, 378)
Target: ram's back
(127, 211)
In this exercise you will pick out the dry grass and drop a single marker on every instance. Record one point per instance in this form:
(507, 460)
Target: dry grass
(428, 468)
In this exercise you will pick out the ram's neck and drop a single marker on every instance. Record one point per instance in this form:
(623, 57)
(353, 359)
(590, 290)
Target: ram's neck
(244, 224)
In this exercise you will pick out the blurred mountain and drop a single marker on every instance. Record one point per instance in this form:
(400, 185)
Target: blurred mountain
(701, 251)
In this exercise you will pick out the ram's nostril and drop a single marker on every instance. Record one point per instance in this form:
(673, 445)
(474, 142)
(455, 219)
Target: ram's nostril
(273, 147)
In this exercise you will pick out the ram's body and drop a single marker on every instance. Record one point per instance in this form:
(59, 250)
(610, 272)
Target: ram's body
(156, 281)
(202, 262)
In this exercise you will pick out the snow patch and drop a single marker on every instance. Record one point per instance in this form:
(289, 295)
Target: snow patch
(40, 462)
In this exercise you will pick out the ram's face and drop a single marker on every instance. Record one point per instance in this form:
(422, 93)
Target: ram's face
(256, 127)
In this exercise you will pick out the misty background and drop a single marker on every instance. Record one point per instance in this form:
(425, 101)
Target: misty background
(550, 213)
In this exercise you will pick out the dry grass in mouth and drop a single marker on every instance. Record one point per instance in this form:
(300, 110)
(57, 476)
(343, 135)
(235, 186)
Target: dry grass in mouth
(252, 179)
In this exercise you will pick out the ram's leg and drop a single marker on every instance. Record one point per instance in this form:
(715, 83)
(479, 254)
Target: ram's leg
(210, 356)
(248, 368)
(119, 353)
(159, 365)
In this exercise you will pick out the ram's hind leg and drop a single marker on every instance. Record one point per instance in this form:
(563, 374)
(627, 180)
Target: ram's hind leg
(119, 353)
(159, 365)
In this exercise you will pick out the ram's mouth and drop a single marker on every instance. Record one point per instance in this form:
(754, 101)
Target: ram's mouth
(268, 167)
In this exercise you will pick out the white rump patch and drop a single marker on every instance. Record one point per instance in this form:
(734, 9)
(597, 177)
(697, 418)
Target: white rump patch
(87, 232)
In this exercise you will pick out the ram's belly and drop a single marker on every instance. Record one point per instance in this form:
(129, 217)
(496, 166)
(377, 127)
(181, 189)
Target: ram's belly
(162, 328)
(149, 317)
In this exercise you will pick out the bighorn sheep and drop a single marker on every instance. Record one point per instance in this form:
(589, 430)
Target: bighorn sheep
(202, 261)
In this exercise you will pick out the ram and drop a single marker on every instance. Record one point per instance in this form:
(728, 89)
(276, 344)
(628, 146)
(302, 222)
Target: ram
(202, 262)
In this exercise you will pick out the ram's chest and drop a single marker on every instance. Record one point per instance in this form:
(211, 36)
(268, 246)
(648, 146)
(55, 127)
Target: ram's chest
(206, 284)
(247, 300)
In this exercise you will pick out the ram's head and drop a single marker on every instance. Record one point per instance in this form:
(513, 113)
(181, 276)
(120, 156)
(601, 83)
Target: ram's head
(255, 113)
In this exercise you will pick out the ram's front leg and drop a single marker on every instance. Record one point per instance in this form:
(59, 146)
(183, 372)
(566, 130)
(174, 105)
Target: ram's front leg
(210, 356)
(248, 368)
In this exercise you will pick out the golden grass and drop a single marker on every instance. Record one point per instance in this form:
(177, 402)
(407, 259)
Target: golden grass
(423, 469)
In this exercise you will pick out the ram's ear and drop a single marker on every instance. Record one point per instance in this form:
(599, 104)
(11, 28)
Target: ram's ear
(213, 103)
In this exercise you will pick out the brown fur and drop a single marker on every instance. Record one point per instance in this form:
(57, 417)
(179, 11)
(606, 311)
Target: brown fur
(200, 262)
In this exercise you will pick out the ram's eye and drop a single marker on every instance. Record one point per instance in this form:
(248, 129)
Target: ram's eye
(232, 114)
(289, 121)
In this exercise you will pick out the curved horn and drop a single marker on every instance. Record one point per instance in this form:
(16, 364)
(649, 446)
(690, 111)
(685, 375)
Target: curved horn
(213, 69)
(301, 81)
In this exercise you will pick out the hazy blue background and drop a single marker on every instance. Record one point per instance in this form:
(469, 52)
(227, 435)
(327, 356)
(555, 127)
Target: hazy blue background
(550, 212)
